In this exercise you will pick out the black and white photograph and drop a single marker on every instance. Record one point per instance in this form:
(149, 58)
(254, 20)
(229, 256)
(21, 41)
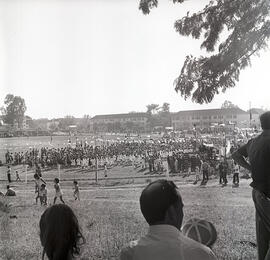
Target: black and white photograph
(134, 130)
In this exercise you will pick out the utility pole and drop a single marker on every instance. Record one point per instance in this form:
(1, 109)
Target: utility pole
(96, 172)
(250, 115)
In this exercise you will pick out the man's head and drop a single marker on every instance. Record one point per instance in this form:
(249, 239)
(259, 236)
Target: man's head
(7, 187)
(161, 203)
(265, 120)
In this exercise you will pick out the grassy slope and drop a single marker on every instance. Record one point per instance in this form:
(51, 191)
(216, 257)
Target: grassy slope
(110, 218)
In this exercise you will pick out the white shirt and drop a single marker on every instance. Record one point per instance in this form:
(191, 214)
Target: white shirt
(165, 242)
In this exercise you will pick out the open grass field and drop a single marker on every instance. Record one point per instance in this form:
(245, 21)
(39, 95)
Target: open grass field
(110, 217)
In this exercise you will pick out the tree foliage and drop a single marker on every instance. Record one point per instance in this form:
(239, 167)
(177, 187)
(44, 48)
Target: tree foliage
(228, 104)
(65, 122)
(247, 26)
(165, 108)
(84, 124)
(152, 108)
(159, 115)
(14, 109)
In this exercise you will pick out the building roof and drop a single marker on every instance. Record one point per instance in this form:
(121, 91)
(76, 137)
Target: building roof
(256, 111)
(116, 116)
(219, 111)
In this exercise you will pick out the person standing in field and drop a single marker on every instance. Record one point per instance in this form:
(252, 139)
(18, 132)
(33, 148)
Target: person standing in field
(43, 195)
(205, 172)
(220, 170)
(38, 170)
(236, 171)
(225, 171)
(76, 193)
(17, 176)
(257, 150)
(223, 168)
(38, 182)
(58, 191)
(9, 174)
(197, 175)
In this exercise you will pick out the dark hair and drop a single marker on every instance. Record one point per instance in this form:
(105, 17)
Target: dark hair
(60, 232)
(56, 180)
(265, 120)
(7, 187)
(43, 185)
(36, 176)
(75, 182)
(156, 198)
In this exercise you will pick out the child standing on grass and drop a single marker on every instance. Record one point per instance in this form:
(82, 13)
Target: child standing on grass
(18, 176)
(76, 193)
(236, 170)
(38, 182)
(43, 195)
(58, 192)
(197, 175)
(9, 174)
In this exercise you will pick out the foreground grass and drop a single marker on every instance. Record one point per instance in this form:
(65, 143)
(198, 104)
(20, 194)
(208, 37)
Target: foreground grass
(111, 217)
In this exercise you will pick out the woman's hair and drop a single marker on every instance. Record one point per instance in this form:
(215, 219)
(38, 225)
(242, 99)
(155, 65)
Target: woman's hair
(56, 180)
(60, 233)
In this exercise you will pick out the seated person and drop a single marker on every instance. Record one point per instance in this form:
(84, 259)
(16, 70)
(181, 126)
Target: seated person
(10, 192)
(162, 208)
(60, 233)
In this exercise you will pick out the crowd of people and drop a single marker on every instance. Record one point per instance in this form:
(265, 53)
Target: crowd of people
(161, 205)
(160, 201)
(83, 153)
(181, 155)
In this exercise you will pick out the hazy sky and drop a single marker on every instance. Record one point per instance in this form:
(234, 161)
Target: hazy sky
(67, 57)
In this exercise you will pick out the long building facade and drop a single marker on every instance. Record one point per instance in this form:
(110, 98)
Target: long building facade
(209, 117)
(119, 122)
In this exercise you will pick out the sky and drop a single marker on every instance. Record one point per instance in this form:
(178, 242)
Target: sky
(67, 57)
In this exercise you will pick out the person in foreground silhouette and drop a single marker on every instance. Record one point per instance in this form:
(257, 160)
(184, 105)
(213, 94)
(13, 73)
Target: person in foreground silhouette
(60, 233)
(257, 151)
(162, 207)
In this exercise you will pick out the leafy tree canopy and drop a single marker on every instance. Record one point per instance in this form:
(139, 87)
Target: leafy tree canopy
(228, 104)
(159, 115)
(165, 108)
(152, 108)
(65, 122)
(14, 109)
(247, 25)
